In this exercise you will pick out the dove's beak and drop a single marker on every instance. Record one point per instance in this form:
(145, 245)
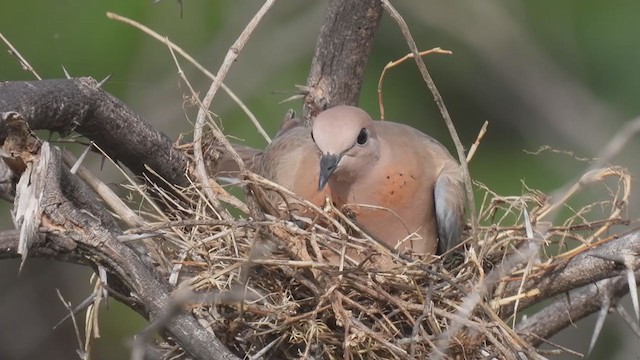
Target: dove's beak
(328, 164)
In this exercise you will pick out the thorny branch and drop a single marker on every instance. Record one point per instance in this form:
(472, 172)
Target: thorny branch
(79, 105)
(586, 268)
(571, 308)
(76, 233)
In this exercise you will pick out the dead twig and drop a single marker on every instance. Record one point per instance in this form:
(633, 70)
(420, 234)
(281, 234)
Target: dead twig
(195, 63)
(23, 62)
(395, 63)
(441, 106)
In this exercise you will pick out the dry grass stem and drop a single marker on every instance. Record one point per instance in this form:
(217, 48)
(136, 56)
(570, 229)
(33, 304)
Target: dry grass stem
(197, 65)
(395, 63)
(474, 147)
(203, 112)
(23, 62)
(386, 4)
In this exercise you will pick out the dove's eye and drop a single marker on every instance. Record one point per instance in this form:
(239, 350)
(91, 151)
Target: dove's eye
(363, 137)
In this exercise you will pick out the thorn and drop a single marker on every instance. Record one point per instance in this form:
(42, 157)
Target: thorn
(633, 291)
(602, 315)
(628, 261)
(75, 166)
(291, 98)
(228, 180)
(24, 259)
(82, 306)
(527, 224)
(616, 258)
(568, 295)
(303, 89)
(531, 239)
(66, 73)
(627, 319)
(104, 80)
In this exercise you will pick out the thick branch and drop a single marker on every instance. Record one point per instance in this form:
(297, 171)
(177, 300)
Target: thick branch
(591, 266)
(55, 250)
(569, 309)
(74, 234)
(342, 51)
(80, 105)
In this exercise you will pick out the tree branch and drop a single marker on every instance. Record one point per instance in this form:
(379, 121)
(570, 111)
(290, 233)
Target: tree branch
(342, 51)
(77, 234)
(79, 105)
(577, 305)
(586, 268)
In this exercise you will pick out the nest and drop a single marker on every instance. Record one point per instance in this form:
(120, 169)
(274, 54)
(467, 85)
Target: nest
(294, 287)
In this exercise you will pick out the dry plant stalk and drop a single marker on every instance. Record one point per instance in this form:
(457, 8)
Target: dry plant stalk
(395, 63)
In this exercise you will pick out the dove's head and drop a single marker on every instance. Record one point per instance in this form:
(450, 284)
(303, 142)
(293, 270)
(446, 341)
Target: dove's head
(347, 141)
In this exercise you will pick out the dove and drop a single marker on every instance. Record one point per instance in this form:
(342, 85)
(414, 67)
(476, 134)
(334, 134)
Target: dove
(399, 185)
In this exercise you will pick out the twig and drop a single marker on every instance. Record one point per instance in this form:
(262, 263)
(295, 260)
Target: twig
(474, 147)
(395, 63)
(397, 351)
(561, 313)
(23, 62)
(67, 305)
(443, 110)
(232, 54)
(469, 303)
(560, 347)
(110, 198)
(134, 184)
(195, 63)
(224, 195)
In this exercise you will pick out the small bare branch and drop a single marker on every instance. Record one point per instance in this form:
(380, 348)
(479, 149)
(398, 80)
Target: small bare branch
(395, 63)
(568, 310)
(232, 54)
(195, 63)
(441, 106)
(23, 62)
(79, 105)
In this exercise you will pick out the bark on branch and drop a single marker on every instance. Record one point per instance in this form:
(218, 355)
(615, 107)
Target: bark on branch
(576, 305)
(342, 51)
(598, 263)
(76, 235)
(79, 105)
